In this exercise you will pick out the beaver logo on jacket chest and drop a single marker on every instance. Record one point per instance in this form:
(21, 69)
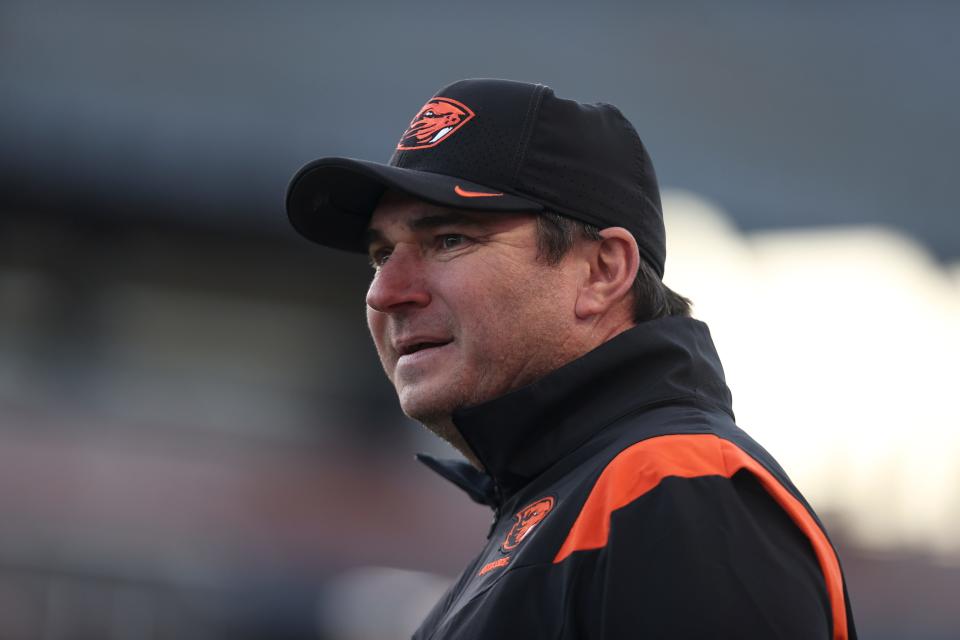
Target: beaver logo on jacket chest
(526, 519)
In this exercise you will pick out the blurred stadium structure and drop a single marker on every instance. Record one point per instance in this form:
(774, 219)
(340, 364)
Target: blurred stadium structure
(195, 437)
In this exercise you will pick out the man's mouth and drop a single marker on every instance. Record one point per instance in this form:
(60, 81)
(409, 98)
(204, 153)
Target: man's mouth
(415, 347)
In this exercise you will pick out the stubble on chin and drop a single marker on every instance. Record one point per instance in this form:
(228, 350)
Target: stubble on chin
(435, 412)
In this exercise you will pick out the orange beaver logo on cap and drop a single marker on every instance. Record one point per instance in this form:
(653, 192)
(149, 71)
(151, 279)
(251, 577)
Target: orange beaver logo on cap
(434, 123)
(527, 518)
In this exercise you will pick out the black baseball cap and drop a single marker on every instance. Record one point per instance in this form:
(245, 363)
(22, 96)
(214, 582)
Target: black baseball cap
(494, 145)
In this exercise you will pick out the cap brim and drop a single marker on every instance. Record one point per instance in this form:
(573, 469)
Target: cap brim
(330, 200)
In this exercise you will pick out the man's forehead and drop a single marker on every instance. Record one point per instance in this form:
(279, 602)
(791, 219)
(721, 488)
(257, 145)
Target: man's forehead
(427, 219)
(402, 212)
(406, 210)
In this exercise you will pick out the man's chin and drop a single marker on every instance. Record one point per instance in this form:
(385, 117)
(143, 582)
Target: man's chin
(438, 419)
(425, 408)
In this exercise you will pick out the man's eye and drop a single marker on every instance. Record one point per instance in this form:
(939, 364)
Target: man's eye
(450, 240)
(379, 257)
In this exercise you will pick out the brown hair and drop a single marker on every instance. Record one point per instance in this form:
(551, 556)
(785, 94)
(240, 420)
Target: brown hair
(652, 299)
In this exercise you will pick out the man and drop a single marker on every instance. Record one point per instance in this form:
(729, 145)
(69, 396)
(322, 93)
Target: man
(517, 307)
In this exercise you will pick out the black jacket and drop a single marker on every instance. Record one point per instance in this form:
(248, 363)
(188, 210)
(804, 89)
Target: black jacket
(629, 505)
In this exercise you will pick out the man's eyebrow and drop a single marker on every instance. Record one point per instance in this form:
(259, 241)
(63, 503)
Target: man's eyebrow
(372, 235)
(442, 219)
(432, 221)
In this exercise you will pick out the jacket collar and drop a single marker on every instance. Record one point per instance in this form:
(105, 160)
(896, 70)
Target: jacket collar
(519, 435)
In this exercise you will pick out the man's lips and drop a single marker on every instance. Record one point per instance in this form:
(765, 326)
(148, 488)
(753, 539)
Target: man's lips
(413, 345)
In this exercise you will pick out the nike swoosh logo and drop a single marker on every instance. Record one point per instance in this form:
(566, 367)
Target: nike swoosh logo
(463, 193)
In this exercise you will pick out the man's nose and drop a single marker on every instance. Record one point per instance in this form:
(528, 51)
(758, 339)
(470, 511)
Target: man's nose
(399, 282)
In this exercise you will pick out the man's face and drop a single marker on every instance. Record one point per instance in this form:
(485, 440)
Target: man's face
(460, 307)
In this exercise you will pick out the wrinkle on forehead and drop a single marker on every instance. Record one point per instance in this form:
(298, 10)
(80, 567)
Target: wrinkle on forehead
(412, 214)
(429, 220)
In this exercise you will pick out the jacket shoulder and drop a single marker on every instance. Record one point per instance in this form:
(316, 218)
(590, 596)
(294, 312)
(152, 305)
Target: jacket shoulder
(700, 505)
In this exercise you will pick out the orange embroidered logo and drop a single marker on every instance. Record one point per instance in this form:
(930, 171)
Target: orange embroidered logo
(527, 518)
(434, 123)
(463, 193)
(496, 564)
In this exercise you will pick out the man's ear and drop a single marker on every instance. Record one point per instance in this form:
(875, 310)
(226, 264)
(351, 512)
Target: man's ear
(613, 263)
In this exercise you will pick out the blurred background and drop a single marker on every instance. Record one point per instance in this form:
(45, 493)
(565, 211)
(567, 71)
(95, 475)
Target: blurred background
(196, 440)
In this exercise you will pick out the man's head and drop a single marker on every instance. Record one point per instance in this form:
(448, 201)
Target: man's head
(512, 231)
(465, 307)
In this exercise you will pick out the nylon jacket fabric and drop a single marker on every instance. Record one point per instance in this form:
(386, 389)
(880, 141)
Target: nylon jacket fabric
(628, 504)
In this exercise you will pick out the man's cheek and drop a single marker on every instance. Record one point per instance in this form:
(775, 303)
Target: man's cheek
(387, 358)
(376, 326)
(381, 343)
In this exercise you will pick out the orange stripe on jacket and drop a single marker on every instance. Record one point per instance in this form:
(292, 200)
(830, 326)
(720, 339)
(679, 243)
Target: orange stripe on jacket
(641, 467)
